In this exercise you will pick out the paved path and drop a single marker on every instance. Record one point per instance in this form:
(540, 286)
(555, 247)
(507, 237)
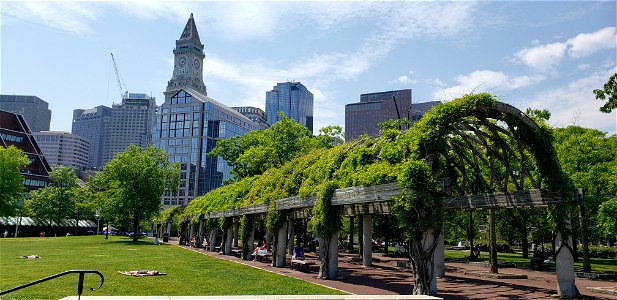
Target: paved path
(386, 279)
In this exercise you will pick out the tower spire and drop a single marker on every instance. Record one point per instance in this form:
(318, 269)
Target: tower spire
(190, 34)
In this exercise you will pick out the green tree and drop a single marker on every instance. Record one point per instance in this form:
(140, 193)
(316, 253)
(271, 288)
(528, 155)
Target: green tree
(11, 181)
(134, 181)
(56, 201)
(609, 94)
(257, 151)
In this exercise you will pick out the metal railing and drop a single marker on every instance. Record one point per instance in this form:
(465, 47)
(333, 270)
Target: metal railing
(80, 283)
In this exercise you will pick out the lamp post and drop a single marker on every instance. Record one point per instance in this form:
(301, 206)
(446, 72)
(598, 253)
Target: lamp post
(98, 219)
(20, 203)
(107, 231)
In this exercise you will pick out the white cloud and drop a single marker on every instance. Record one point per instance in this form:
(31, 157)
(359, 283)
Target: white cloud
(583, 67)
(546, 57)
(484, 80)
(543, 57)
(586, 44)
(67, 16)
(575, 100)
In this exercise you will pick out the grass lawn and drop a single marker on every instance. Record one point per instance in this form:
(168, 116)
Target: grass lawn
(598, 265)
(188, 273)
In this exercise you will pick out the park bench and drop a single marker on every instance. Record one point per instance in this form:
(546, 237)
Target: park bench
(236, 252)
(264, 257)
(302, 264)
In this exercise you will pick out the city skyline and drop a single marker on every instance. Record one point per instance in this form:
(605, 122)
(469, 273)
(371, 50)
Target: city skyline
(543, 55)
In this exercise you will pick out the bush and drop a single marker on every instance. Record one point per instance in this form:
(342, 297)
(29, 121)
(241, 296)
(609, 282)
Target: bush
(502, 246)
(599, 252)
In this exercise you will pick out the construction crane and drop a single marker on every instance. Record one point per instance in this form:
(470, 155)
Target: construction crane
(121, 87)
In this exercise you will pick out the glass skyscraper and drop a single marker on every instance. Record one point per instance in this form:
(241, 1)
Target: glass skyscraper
(293, 100)
(190, 123)
(93, 125)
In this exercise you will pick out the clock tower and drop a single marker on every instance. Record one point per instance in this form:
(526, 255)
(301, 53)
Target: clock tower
(188, 62)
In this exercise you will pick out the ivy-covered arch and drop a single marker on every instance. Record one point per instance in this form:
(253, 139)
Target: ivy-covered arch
(470, 145)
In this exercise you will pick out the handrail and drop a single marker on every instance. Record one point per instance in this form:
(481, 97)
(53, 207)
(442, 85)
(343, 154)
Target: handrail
(80, 283)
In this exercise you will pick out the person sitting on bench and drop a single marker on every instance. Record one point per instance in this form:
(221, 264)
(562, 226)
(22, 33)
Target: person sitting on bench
(536, 260)
(298, 253)
(260, 250)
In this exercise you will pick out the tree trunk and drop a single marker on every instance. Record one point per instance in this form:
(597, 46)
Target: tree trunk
(493, 243)
(524, 240)
(472, 255)
(135, 225)
(582, 213)
(324, 252)
(421, 254)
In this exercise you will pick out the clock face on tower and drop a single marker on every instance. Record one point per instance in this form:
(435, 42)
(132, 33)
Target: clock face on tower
(196, 63)
(181, 61)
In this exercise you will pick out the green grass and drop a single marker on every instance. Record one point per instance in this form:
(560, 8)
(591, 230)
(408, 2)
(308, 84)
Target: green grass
(188, 273)
(598, 265)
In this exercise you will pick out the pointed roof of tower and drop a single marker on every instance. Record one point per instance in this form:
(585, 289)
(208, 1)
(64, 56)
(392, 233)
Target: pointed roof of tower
(189, 33)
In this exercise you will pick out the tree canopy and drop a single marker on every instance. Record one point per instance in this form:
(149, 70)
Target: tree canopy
(259, 150)
(11, 180)
(56, 201)
(609, 94)
(132, 183)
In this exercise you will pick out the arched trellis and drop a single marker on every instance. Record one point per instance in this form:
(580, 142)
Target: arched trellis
(482, 151)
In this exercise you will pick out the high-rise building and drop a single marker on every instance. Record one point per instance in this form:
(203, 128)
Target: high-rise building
(293, 100)
(15, 132)
(374, 108)
(93, 125)
(34, 110)
(63, 148)
(191, 123)
(131, 123)
(255, 114)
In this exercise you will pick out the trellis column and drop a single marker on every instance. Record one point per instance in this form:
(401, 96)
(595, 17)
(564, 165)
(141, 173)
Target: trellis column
(290, 237)
(251, 243)
(367, 240)
(168, 228)
(438, 258)
(228, 240)
(333, 258)
(236, 232)
(564, 267)
(351, 232)
(360, 235)
(191, 232)
(281, 247)
(200, 234)
(213, 235)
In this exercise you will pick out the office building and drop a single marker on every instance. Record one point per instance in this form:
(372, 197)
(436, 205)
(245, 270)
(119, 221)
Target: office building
(374, 108)
(14, 131)
(63, 148)
(131, 122)
(93, 125)
(255, 114)
(34, 110)
(191, 123)
(293, 100)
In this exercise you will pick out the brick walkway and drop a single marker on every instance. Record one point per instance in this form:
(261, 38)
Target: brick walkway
(383, 278)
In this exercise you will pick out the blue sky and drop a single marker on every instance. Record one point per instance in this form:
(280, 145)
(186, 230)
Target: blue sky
(544, 55)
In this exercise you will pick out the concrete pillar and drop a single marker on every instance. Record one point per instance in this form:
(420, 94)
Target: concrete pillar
(200, 234)
(427, 242)
(333, 251)
(281, 247)
(168, 228)
(228, 240)
(251, 245)
(236, 233)
(268, 238)
(367, 240)
(360, 234)
(438, 258)
(213, 235)
(351, 232)
(564, 263)
(290, 237)
(191, 232)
